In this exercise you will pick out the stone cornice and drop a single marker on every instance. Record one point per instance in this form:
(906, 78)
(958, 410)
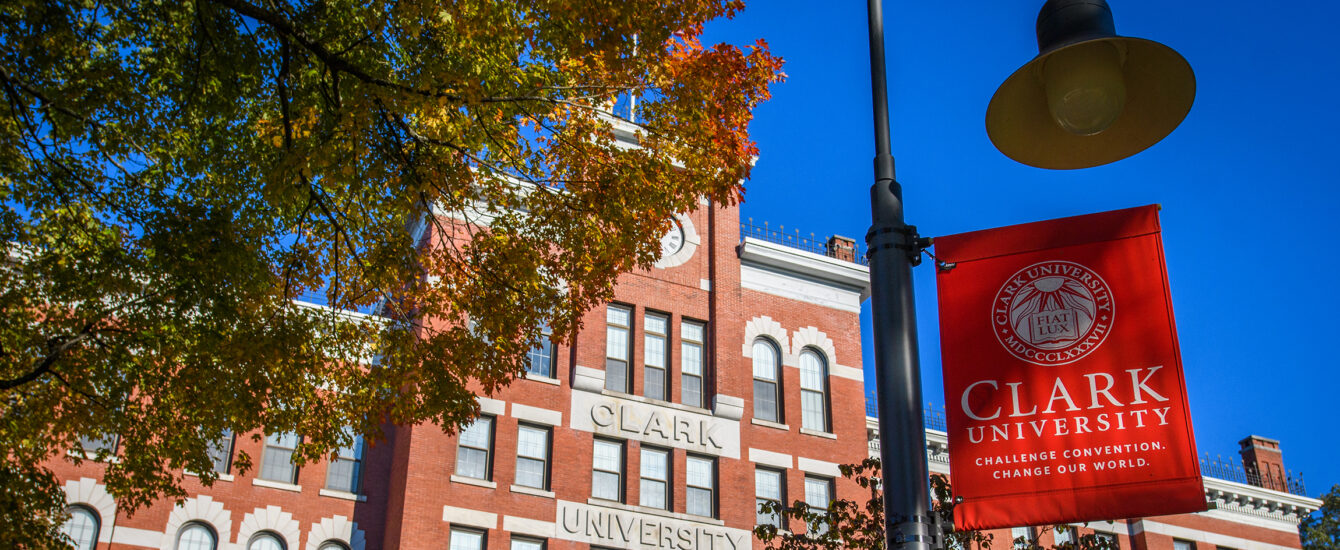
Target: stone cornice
(1241, 497)
(840, 273)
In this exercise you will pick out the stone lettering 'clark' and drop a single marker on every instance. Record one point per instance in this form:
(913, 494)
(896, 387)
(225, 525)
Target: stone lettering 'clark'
(668, 427)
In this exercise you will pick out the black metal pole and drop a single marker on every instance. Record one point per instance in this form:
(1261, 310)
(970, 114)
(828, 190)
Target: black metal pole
(892, 247)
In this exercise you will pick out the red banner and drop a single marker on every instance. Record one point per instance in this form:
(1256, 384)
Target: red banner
(1063, 381)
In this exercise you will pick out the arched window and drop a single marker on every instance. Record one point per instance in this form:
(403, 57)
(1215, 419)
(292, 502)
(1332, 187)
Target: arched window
(81, 528)
(196, 536)
(767, 381)
(332, 545)
(813, 391)
(265, 540)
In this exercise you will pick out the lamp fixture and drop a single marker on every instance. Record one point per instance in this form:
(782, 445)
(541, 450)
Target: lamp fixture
(1090, 97)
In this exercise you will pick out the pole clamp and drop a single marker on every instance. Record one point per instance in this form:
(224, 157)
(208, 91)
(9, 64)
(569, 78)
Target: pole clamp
(929, 530)
(910, 242)
(913, 244)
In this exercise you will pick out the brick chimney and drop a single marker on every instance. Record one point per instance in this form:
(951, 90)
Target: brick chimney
(1263, 462)
(842, 248)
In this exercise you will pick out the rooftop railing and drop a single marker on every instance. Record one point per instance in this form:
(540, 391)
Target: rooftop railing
(810, 243)
(934, 418)
(1232, 469)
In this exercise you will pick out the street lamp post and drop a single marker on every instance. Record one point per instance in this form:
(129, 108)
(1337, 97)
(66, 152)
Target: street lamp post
(892, 247)
(1089, 98)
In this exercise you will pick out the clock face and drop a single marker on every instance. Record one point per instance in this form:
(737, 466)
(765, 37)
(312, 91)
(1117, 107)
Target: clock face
(672, 241)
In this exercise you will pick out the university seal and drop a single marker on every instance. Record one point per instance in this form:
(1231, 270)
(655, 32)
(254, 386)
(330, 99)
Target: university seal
(1052, 313)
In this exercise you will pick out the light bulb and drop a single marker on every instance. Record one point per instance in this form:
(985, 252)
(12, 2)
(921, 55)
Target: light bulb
(1085, 88)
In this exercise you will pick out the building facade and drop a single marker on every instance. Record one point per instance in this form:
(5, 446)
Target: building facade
(730, 371)
(728, 374)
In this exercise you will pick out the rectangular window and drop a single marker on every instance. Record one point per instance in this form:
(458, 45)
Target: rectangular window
(765, 400)
(654, 356)
(221, 452)
(1066, 535)
(532, 457)
(277, 458)
(701, 477)
(1022, 537)
(655, 465)
(527, 544)
(346, 465)
(541, 357)
(1109, 540)
(466, 539)
(617, 323)
(92, 444)
(1183, 545)
(607, 470)
(768, 487)
(691, 364)
(475, 450)
(818, 495)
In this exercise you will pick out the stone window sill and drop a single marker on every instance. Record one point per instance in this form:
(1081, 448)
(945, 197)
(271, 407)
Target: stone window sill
(532, 491)
(113, 459)
(541, 379)
(818, 433)
(222, 477)
(277, 485)
(343, 495)
(767, 424)
(476, 482)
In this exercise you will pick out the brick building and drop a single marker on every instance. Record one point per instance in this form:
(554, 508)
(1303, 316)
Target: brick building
(731, 369)
(728, 373)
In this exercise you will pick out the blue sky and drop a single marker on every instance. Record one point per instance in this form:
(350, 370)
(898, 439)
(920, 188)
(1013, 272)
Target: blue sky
(1246, 183)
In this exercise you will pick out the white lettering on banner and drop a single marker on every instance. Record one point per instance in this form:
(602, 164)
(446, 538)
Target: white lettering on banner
(628, 419)
(1139, 387)
(622, 529)
(1099, 396)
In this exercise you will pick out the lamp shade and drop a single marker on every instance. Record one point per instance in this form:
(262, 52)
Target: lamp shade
(1159, 90)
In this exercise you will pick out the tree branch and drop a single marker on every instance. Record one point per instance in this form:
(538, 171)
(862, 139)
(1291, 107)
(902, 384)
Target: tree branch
(55, 348)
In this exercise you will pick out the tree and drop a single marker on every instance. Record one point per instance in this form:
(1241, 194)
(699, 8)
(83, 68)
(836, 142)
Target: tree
(175, 173)
(849, 524)
(1321, 529)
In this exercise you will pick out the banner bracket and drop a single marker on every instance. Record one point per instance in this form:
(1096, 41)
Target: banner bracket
(913, 243)
(925, 243)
